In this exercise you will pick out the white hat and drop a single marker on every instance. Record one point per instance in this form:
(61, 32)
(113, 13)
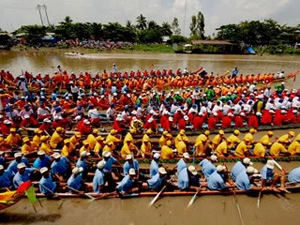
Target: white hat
(162, 170)
(213, 158)
(18, 154)
(101, 164)
(43, 170)
(26, 116)
(106, 154)
(193, 170)
(134, 118)
(247, 161)
(46, 120)
(220, 168)
(41, 152)
(77, 117)
(119, 117)
(7, 122)
(171, 119)
(132, 172)
(84, 153)
(186, 117)
(156, 156)
(1, 167)
(21, 166)
(186, 155)
(77, 170)
(86, 121)
(150, 120)
(56, 155)
(250, 169)
(128, 157)
(270, 164)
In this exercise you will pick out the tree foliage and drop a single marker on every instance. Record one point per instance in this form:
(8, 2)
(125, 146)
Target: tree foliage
(175, 27)
(197, 26)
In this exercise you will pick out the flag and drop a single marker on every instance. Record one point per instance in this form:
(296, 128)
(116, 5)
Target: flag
(30, 193)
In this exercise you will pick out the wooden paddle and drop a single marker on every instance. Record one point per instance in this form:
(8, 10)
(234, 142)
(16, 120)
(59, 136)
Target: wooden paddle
(259, 197)
(81, 192)
(238, 208)
(157, 196)
(193, 198)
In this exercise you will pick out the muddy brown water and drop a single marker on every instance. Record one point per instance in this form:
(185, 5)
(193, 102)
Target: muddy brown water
(168, 210)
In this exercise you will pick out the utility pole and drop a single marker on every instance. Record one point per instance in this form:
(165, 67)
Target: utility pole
(39, 9)
(45, 8)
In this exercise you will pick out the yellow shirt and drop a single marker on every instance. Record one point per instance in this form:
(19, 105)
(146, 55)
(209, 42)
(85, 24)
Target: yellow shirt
(36, 141)
(98, 147)
(74, 141)
(27, 148)
(66, 150)
(55, 139)
(277, 148)
(181, 148)
(125, 150)
(222, 149)
(250, 137)
(83, 148)
(166, 152)
(111, 138)
(145, 137)
(283, 138)
(46, 147)
(293, 147)
(13, 139)
(128, 136)
(201, 137)
(241, 149)
(264, 138)
(216, 141)
(146, 148)
(234, 141)
(297, 138)
(200, 148)
(92, 140)
(177, 139)
(106, 148)
(162, 141)
(259, 150)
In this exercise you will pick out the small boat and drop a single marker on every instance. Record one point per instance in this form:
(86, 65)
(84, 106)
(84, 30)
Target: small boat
(74, 54)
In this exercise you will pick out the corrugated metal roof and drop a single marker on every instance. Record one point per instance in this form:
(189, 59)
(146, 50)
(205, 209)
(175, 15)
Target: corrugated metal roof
(211, 42)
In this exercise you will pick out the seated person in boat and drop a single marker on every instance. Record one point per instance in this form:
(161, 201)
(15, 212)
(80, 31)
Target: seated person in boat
(46, 185)
(60, 167)
(157, 182)
(19, 158)
(6, 177)
(42, 160)
(188, 179)
(217, 180)
(129, 164)
(22, 175)
(271, 178)
(239, 167)
(128, 183)
(155, 164)
(207, 165)
(245, 178)
(75, 182)
(294, 175)
(182, 163)
(110, 176)
(98, 180)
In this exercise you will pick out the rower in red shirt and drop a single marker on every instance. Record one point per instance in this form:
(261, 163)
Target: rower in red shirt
(182, 122)
(85, 127)
(226, 120)
(253, 121)
(239, 120)
(212, 121)
(198, 121)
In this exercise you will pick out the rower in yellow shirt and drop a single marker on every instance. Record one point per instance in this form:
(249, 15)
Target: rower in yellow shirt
(67, 149)
(146, 147)
(113, 137)
(91, 138)
(166, 151)
(27, 147)
(286, 138)
(204, 136)
(56, 138)
(179, 137)
(243, 148)
(129, 148)
(163, 139)
(13, 139)
(234, 140)
(217, 139)
(222, 149)
(181, 146)
(250, 136)
(260, 149)
(85, 147)
(294, 147)
(45, 146)
(109, 147)
(277, 148)
(266, 138)
(99, 146)
(36, 141)
(74, 140)
(201, 146)
(129, 135)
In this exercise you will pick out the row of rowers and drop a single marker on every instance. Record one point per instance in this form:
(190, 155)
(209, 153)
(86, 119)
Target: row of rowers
(57, 174)
(167, 145)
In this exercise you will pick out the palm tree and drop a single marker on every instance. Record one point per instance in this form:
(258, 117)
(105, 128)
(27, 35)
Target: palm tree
(141, 22)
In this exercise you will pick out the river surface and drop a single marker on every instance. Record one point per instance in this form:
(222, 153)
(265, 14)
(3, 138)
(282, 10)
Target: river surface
(168, 210)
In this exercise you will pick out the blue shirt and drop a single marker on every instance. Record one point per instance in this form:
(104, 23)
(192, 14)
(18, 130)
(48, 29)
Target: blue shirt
(183, 179)
(126, 184)
(81, 163)
(98, 180)
(38, 163)
(75, 182)
(242, 181)
(108, 164)
(6, 178)
(127, 166)
(60, 167)
(266, 173)
(181, 165)
(13, 166)
(216, 182)
(21, 178)
(236, 169)
(156, 182)
(207, 167)
(294, 175)
(1, 160)
(153, 168)
(47, 183)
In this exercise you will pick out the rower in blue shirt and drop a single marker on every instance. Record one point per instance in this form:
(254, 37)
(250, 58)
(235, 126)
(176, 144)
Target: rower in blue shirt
(6, 177)
(294, 175)
(22, 175)
(181, 164)
(13, 166)
(75, 181)
(127, 184)
(131, 163)
(46, 185)
(109, 161)
(60, 167)
(244, 179)
(43, 160)
(187, 179)
(158, 180)
(216, 180)
(98, 180)
(154, 165)
(82, 161)
(207, 167)
(239, 167)
(2, 159)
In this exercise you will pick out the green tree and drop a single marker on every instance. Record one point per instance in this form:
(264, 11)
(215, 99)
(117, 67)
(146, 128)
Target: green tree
(175, 27)
(200, 25)
(166, 29)
(193, 26)
(141, 22)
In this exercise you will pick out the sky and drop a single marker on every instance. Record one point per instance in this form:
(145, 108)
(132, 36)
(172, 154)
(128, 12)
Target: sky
(15, 13)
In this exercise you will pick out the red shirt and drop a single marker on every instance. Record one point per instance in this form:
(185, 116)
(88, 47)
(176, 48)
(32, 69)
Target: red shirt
(212, 123)
(181, 124)
(252, 121)
(239, 121)
(198, 122)
(226, 122)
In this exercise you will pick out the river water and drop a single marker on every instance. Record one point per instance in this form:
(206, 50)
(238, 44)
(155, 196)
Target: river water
(168, 210)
